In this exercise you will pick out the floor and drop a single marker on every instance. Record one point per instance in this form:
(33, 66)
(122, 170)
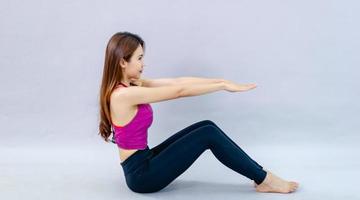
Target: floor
(90, 170)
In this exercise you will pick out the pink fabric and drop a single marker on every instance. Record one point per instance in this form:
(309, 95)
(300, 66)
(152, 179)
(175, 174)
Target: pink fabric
(134, 134)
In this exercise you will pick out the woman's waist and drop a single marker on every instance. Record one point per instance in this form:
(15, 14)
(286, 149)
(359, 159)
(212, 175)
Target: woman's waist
(135, 158)
(125, 153)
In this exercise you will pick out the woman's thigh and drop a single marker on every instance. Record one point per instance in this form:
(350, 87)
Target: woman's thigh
(160, 147)
(162, 169)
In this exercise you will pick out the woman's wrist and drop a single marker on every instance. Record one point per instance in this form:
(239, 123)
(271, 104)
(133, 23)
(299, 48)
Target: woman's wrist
(220, 80)
(223, 84)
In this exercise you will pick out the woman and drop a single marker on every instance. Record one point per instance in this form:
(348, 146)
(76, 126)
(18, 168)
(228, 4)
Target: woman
(125, 108)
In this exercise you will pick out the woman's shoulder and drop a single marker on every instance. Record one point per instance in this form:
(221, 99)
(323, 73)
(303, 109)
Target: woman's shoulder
(116, 91)
(116, 95)
(118, 104)
(120, 89)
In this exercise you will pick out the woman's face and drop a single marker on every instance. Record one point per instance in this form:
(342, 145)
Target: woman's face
(134, 67)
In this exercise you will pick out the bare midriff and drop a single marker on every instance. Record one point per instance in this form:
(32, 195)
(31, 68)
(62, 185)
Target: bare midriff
(125, 153)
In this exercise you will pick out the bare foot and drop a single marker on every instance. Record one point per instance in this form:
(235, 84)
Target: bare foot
(273, 183)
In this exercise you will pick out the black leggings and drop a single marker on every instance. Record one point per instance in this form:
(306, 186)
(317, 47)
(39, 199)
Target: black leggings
(151, 170)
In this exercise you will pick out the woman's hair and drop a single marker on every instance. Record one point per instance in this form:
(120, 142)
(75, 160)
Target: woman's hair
(120, 45)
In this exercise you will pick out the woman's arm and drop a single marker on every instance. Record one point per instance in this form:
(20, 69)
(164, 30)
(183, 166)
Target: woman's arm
(146, 82)
(196, 80)
(177, 80)
(199, 89)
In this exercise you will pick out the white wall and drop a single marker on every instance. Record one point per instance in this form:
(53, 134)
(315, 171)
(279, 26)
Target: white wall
(303, 55)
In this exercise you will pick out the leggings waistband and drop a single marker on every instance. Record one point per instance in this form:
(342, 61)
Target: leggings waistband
(136, 159)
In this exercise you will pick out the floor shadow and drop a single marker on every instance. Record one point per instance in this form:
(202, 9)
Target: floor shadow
(205, 187)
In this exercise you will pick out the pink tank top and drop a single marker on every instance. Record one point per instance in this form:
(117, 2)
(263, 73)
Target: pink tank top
(134, 134)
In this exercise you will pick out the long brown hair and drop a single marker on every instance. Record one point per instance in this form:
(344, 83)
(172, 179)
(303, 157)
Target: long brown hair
(120, 45)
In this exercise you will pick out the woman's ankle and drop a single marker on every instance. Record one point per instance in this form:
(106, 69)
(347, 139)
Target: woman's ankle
(267, 178)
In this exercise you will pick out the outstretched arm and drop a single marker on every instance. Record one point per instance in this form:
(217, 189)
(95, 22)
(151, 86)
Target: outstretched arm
(188, 90)
(198, 86)
(146, 82)
(196, 80)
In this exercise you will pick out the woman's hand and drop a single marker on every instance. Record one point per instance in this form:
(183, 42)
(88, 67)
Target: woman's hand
(234, 87)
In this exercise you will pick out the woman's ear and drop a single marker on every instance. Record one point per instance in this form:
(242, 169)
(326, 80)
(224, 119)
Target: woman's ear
(123, 63)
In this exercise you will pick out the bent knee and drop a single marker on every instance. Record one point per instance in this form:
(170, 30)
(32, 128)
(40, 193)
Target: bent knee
(208, 122)
(211, 129)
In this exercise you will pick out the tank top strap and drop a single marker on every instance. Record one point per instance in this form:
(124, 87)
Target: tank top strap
(123, 84)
